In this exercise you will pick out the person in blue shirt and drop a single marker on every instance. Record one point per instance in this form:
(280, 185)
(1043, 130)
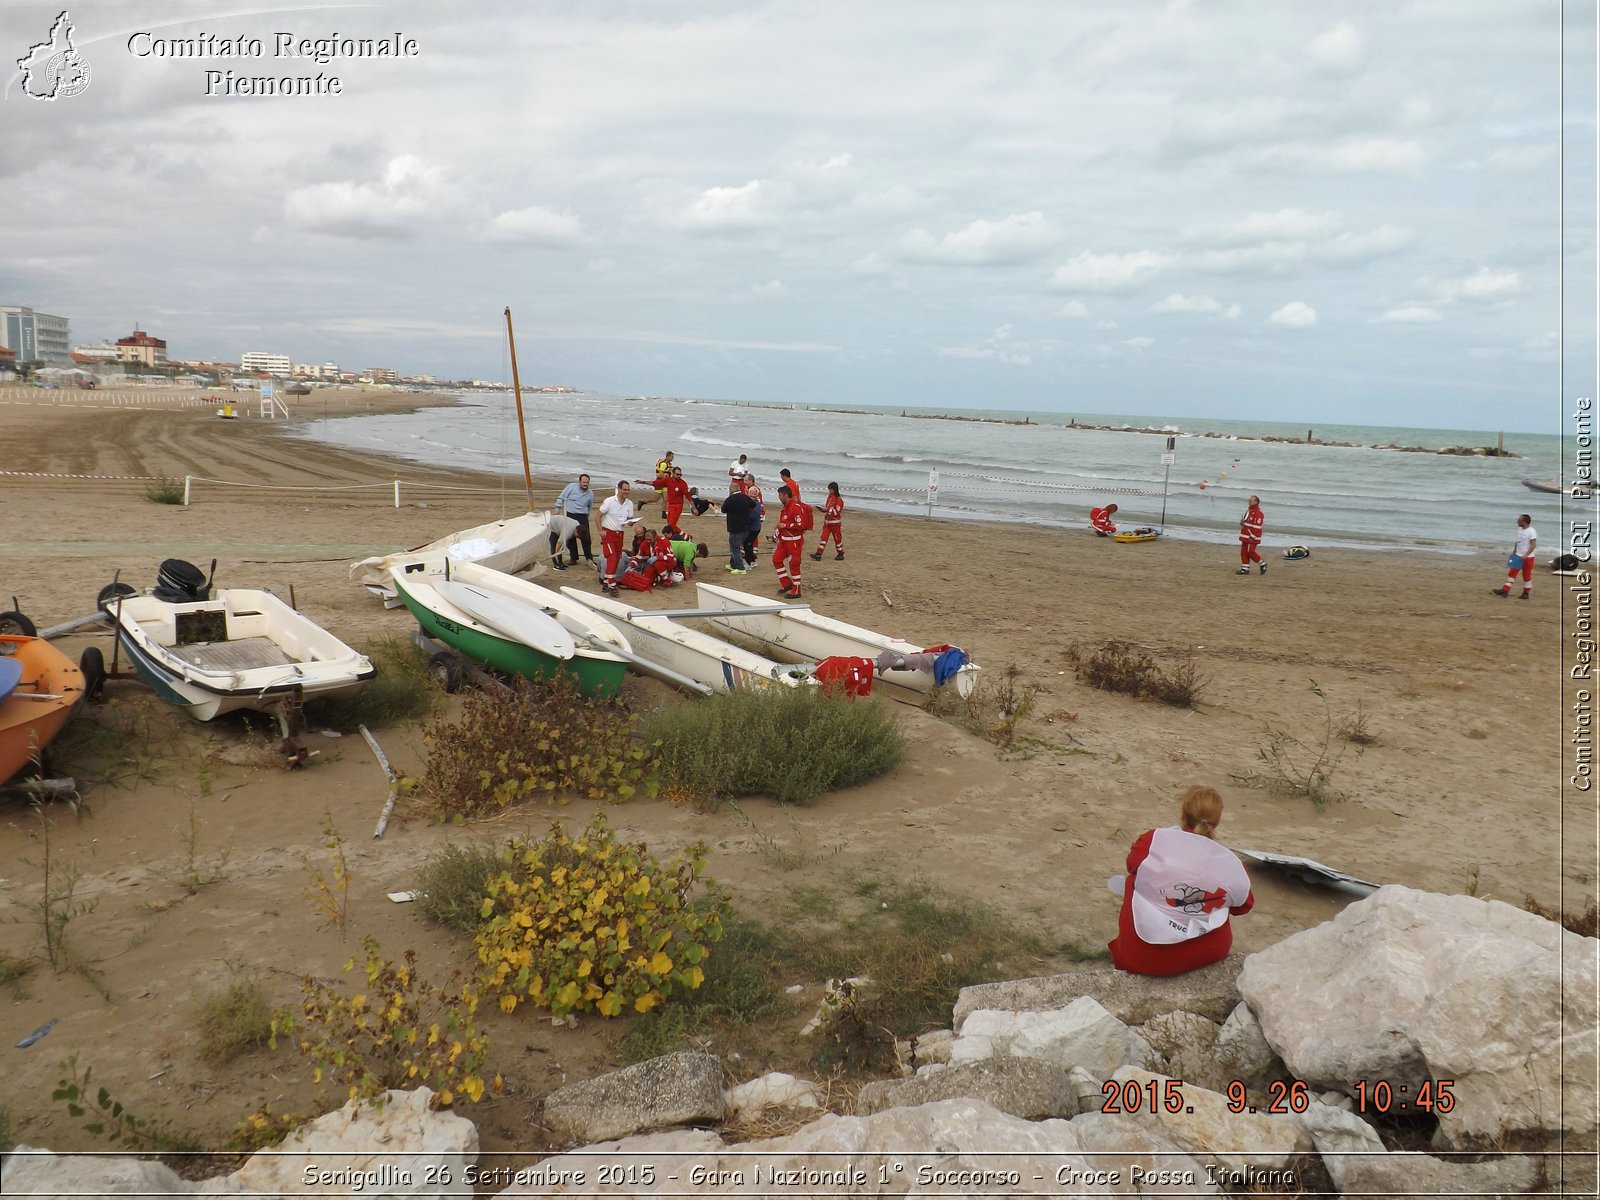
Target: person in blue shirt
(575, 501)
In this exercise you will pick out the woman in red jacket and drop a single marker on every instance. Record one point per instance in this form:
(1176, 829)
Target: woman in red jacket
(1180, 889)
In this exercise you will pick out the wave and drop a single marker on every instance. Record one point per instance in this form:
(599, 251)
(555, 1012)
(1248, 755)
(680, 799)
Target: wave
(690, 435)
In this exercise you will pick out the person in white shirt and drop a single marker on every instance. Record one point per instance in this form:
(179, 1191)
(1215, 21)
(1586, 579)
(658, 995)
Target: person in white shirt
(616, 514)
(1521, 560)
(739, 467)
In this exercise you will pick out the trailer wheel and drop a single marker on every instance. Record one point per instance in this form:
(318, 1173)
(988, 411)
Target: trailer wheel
(93, 665)
(446, 672)
(14, 623)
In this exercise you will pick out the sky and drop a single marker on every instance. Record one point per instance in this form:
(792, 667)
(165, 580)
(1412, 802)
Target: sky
(1280, 209)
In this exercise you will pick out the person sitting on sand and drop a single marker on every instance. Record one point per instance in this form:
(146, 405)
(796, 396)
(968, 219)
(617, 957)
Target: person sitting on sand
(1180, 889)
(1100, 520)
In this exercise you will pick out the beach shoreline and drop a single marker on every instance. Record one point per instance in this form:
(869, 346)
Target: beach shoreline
(1461, 792)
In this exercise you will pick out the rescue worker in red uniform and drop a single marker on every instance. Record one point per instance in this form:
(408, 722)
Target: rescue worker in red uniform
(832, 511)
(1250, 527)
(1100, 520)
(1179, 893)
(677, 495)
(791, 542)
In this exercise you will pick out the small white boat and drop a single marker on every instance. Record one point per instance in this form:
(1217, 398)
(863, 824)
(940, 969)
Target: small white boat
(1580, 489)
(794, 633)
(510, 545)
(689, 653)
(241, 649)
(512, 625)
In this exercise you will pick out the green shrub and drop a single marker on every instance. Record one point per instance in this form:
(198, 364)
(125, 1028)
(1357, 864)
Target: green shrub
(581, 924)
(230, 1021)
(533, 740)
(454, 883)
(400, 691)
(1132, 670)
(739, 989)
(792, 744)
(164, 490)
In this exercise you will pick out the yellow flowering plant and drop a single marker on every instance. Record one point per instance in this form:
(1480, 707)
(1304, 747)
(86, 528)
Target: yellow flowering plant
(583, 923)
(397, 1031)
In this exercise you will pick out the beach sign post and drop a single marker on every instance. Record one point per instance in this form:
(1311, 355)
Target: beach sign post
(933, 489)
(1167, 459)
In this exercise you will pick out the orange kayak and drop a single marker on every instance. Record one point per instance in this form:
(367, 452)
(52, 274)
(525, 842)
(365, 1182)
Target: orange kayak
(46, 689)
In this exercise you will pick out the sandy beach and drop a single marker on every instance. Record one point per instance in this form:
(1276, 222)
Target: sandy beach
(1461, 792)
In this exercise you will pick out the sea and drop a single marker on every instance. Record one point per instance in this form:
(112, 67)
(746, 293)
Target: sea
(1044, 468)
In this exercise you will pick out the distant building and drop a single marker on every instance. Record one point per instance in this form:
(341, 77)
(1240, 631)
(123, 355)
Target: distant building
(381, 375)
(140, 347)
(272, 364)
(104, 352)
(35, 336)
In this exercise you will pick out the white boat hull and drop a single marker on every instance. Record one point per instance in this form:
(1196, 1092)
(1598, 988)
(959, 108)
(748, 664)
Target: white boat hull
(268, 651)
(511, 545)
(688, 652)
(799, 635)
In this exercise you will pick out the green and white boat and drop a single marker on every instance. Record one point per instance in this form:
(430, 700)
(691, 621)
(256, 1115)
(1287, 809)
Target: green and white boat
(511, 625)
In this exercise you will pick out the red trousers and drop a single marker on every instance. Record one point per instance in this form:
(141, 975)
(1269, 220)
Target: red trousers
(836, 532)
(1526, 571)
(786, 558)
(611, 550)
(1249, 550)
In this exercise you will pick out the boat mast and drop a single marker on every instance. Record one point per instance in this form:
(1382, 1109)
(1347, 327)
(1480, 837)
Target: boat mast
(522, 429)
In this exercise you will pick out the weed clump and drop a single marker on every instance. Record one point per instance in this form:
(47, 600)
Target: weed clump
(164, 490)
(1300, 766)
(793, 744)
(581, 924)
(1118, 666)
(230, 1021)
(739, 990)
(533, 740)
(400, 691)
(454, 882)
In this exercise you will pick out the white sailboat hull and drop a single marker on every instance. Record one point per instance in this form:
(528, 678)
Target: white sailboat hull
(798, 635)
(510, 545)
(699, 656)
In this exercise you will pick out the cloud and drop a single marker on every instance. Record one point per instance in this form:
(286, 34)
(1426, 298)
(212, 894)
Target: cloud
(408, 196)
(1088, 272)
(1285, 224)
(1411, 314)
(1337, 49)
(870, 264)
(1076, 309)
(1520, 158)
(1295, 315)
(1206, 305)
(1003, 346)
(1358, 156)
(534, 226)
(732, 208)
(1484, 284)
(770, 290)
(1139, 343)
(1012, 239)
(601, 265)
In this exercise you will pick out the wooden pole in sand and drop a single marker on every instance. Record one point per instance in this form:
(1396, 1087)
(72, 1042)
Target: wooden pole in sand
(522, 430)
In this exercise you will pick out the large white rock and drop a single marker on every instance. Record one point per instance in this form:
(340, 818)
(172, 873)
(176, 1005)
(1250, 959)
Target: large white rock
(1243, 1052)
(1083, 1034)
(29, 1171)
(1133, 999)
(941, 1149)
(1407, 987)
(403, 1148)
(1206, 1128)
(772, 1090)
